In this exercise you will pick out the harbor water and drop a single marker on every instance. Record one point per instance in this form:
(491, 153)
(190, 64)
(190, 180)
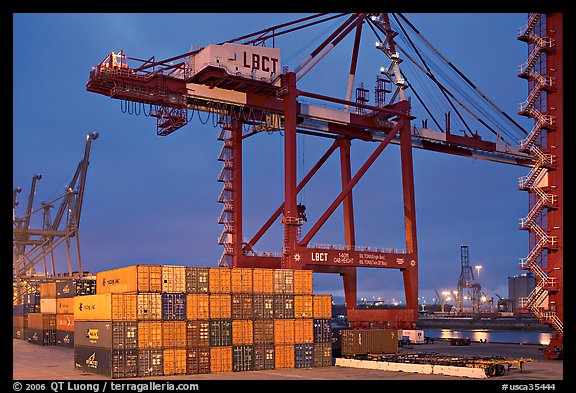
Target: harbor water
(494, 336)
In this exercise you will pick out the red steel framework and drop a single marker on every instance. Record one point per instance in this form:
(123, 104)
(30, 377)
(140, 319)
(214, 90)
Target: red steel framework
(544, 71)
(172, 89)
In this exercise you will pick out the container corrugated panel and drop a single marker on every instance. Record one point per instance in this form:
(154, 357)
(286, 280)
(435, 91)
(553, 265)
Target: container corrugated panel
(174, 361)
(197, 280)
(303, 306)
(149, 334)
(220, 279)
(149, 306)
(303, 355)
(263, 306)
(105, 307)
(41, 321)
(283, 356)
(322, 354)
(284, 281)
(174, 334)
(174, 306)
(19, 333)
(173, 278)
(264, 357)
(220, 333)
(32, 298)
(243, 358)
(242, 332)
(197, 306)
(263, 281)
(284, 331)
(303, 331)
(48, 290)
(242, 306)
(198, 360)
(322, 331)
(65, 339)
(241, 280)
(283, 306)
(20, 321)
(65, 322)
(85, 287)
(40, 337)
(65, 305)
(221, 359)
(48, 306)
(322, 306)
(303, 282)
(359, 342)
(107, 334)
(150, 362)
(197, 334)
(263, 331)
(111, 363)
(220, 306)
(65, 289)
(130, 279)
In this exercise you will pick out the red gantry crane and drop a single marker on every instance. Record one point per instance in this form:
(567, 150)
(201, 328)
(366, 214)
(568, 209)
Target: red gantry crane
(243, 85)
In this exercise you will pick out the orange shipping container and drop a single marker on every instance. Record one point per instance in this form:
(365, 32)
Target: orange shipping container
(242, 332)
(220, 359)
(173, 279)
(220, 306)
(174, 361)
(150, 334)
(303, 282)
(149, 306)
(284, 356)
(303, 305)
(48, 290)
(106, 307)
(220, 280)
(174, 334)
(136, 278)
(322, 306)
(304, 331)
(65, 322)
(284, 331)
(197, 307)
(65, 305)
(19, 321)
(263, 281)
(241, 279)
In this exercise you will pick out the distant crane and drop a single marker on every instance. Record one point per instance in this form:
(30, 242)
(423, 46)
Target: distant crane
(467, 280)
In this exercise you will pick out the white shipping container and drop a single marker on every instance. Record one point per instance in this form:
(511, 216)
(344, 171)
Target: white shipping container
(48, 306)
(415, 336)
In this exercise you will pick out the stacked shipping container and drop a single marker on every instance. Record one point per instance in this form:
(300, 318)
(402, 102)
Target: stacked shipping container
(190, 320)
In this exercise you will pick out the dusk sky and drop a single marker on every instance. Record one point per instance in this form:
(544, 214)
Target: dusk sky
(153, 200)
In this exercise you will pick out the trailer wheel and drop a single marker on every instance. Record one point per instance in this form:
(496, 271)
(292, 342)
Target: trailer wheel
(500, 370)
(491, 370)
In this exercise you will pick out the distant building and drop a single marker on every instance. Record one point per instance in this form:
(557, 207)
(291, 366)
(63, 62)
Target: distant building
(520, 287)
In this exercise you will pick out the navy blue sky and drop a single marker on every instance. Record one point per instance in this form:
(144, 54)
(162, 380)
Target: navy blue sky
(153, 199)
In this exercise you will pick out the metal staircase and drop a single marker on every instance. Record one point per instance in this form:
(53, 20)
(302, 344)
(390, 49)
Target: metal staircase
(226, 197)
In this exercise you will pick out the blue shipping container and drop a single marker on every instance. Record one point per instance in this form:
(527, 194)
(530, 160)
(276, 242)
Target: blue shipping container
(19, 310)
(174, 306)
(322, 331)
(32, 298)
(303, 355)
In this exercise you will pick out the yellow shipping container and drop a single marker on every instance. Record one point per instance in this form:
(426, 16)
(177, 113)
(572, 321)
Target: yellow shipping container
(303, 306)
(322, 306)
(241, 279)
(48, 290)
(304, 331)
(284, 356)
(220, 359)
(220, 306)
(150, 334)
(65, 305)
(242, 332)
(197, 307)
(174, 361)
(136, 278)
(174, 334)
(303, 282)
(284, 331)
(149, 306)
(220, 280)
(173, 279)
(106, 307)
(263, 281)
